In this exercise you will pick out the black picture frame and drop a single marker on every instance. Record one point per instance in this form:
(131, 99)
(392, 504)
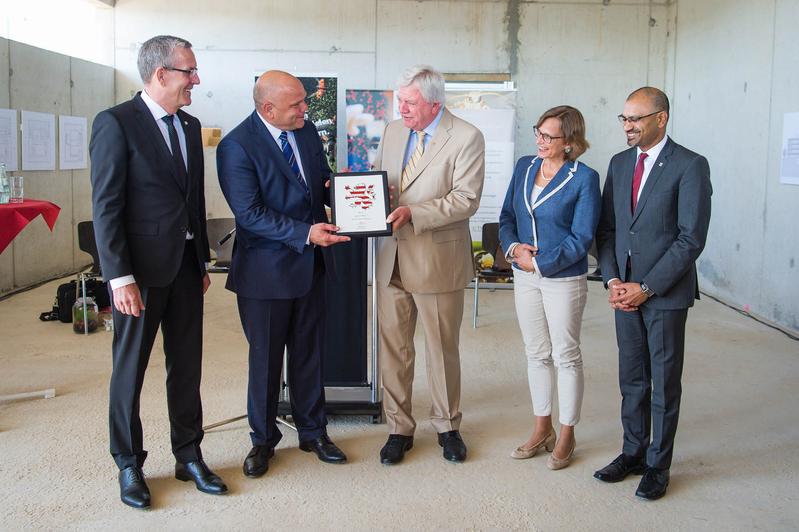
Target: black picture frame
(360, 203)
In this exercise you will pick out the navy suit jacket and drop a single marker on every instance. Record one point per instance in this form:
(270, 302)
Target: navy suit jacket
(141, 209)
(667, 232)
(272, 210)
(565, 222)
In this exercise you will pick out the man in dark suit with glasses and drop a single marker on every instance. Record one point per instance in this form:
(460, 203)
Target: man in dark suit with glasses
(653, 226)
(149, 220)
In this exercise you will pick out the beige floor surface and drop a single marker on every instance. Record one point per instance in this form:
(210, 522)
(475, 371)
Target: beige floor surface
(735, 465)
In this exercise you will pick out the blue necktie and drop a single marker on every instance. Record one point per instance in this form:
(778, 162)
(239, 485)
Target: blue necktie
(288, 154)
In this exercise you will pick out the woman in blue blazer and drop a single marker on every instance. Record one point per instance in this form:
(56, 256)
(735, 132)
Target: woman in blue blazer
(546, 225)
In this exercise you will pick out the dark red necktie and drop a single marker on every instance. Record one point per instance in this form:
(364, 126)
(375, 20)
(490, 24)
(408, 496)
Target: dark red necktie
(637, 176)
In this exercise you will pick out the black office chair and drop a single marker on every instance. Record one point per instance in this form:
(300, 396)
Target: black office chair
(218, 229)
(501, 271)
(87, 243)
(596, 275)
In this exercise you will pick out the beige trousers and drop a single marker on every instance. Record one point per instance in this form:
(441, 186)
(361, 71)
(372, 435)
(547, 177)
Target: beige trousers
(550, 313)
(441, 316)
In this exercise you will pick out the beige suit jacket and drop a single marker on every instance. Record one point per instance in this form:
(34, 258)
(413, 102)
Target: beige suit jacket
(435, 249)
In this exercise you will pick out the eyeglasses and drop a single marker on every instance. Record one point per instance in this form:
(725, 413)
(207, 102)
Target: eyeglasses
(543, 136)
(635, 119)
(189, 71)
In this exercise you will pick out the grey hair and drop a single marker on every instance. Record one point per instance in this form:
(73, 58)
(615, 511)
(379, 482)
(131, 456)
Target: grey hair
(429, 81)
(156, 52)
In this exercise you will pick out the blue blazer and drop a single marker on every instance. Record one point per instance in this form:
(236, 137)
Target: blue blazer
(564, 217)
(273, 213)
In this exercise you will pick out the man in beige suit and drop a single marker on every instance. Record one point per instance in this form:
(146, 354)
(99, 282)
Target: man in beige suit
(436, 163)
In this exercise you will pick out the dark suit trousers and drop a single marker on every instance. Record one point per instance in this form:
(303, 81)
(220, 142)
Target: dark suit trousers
(651, 346)
(298, 325)
(177, 308)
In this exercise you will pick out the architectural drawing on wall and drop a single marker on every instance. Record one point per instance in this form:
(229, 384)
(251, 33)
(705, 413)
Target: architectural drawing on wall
(72, 142)
(38, 141)
(8, 138)
(789, 168)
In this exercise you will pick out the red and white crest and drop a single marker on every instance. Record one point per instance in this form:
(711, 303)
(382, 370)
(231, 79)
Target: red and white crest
(360, 195)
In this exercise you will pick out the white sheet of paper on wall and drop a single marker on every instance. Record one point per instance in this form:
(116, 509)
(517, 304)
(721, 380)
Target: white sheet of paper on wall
(72, 142)
(38, 141)
(8, 139)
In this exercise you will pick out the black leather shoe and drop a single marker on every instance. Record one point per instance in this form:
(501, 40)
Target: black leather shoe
(653, 484)
(620, 467)
(206, 480)
(394, 450)
(257, 461)
(325, 449)
(454, 448)
(132, 489)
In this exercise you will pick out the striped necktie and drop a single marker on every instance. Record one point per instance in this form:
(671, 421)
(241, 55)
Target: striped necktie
(288, 154)
(410, 166)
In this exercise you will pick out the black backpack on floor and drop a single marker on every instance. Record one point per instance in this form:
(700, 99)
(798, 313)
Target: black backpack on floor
(67, 294)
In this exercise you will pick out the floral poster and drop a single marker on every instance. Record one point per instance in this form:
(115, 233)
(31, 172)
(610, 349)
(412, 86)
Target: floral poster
(321, 98)
(368, 113)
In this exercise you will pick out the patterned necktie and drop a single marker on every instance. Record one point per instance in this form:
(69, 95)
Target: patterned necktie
(410, 166)
(288, 154)
(637, 176)
(177, 155)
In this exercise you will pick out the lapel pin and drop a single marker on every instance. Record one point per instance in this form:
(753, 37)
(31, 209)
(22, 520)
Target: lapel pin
(186, 123)
(660, 164)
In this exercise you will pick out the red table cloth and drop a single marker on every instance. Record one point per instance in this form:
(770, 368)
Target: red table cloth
(15, 216)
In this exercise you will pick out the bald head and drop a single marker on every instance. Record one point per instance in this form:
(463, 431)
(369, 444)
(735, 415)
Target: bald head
(280, 99)
(656, 97)
(646, 113)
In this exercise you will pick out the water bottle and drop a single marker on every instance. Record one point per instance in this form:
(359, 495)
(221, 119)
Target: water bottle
(5, 185)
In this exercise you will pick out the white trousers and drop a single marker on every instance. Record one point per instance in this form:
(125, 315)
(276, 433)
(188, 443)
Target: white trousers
(550, 313)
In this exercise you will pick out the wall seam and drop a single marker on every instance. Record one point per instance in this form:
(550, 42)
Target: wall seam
(762, 277)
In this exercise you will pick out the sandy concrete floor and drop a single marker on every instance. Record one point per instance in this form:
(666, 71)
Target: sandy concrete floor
(735, 465)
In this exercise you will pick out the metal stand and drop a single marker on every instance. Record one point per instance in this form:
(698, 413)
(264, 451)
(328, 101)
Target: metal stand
(351, 400)
(39, 394)
(342, 400)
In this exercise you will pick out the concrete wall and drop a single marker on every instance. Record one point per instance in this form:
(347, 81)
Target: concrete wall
(37, 80)
(727, 64)
(736, 74)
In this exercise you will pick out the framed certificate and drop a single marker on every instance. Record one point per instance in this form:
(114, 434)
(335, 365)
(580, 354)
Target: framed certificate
(360, 203)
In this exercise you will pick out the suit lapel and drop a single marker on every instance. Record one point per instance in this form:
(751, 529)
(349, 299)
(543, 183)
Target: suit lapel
(269, 145)
(303, 145)
(625, 180)
(652, 178)
(440, 138)
(193, 158)
(154, 135)
(554, 182)
(531, 181)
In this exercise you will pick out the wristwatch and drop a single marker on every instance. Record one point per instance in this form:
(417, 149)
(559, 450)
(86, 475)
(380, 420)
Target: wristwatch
(648, 291)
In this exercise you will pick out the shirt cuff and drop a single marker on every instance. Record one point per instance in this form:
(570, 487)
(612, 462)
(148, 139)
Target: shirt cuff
(509, 253)
(119, 282)
(308, 238)
(611, 280)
